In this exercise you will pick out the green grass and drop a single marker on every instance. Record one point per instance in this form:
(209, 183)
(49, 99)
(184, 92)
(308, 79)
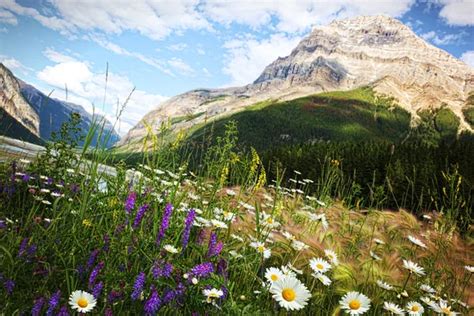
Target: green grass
(336, 116)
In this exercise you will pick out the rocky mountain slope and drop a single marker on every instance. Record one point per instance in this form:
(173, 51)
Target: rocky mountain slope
(54, 112)
(14, 104)
(375, 51)
(27, 107)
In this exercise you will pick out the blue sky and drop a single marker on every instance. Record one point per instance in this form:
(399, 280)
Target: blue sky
(163, 48)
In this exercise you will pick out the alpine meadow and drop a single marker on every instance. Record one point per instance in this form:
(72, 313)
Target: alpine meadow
(327, 170)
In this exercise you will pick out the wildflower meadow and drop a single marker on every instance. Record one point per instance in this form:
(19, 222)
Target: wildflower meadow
(220, 239)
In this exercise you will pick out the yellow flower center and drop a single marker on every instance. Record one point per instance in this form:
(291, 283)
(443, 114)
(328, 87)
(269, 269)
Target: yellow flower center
(319, 266)
(354, 304)
(270, 220)
(82, 302)
(288, 294)
(274, 277)
(446, 310)
(415, 308)
(261, 248)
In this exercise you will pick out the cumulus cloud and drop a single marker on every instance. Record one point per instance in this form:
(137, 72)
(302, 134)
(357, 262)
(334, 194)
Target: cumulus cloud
(86, 87)
(247, 57)
(457, 12)
(468, 58)
(6, 17)
(445, 39)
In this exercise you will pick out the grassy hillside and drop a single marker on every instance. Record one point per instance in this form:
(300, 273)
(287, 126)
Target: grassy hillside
(355, 115)
(10, 127)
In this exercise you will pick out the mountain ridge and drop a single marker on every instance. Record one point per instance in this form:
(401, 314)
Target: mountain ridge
(375, 51)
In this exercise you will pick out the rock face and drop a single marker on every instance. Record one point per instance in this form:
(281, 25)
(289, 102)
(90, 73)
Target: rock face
(376, 51)
(40, 114)
(12, 101)
(54, 112)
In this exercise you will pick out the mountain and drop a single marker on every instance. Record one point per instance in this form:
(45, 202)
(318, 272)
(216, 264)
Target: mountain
(378, 52)
(15, 109)
(54, 112)
(29, 114)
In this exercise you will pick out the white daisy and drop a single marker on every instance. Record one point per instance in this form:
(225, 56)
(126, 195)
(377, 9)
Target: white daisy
(261, 249)
(170, 248)
(212, 295)
(332, 256)
(82, 301)
(355, 303)
(384, 285)
(393, 309)
(319, 218)
(288, 236)
(413, 267)
(273, 274)
(299, 245)
(379, 241)
(322, 278)
(414, 309)
(442, 308)
(428, 289)
(290, 293)
(417, 242)
(319, 265)
(469, 268)
(234, 236)
(218, 224)
(375, 256)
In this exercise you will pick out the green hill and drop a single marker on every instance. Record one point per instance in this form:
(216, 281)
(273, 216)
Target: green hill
(356, 115)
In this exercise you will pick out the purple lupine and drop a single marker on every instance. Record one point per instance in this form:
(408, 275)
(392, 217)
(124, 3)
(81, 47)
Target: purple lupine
(212, 244)
(98, 289)
(9, 286)
(165, 222)
(114, 296)
(138, 286)
(23, 245)
(202, 270)
(108, 312)
(81, 271)
(200, 237)
(92, 258)
(95, 273)
(222, 268)
(31, 251)
(63, 311)
(152, 305)
(38, 306)
(217, 249)
(161, 269)
(106, 240)
(188, 224)
(53, 303)
(130, 202)
(3, 224)
(26, 177)
(140, 213)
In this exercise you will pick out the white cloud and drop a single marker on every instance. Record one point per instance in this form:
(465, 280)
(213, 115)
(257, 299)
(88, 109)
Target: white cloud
(56, 56)
(181, 66)
(178, 47)
(443, 39)
(247, 57)
(297, 16)
(86, 87)
(14, 64)
(6, 17)
(201, 51)
(468, 58)
(457, 12)
(154, 19)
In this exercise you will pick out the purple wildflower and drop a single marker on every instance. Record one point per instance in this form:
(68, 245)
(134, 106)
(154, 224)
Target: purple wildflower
(22, 248)
(97, 289)
(202, 270)
(212, 244)
(161, 269)
(153, 303)
(108, 312)
(38, 306)
(53, 303)
(138, 286)
(63, 311)
(26, 177)
(165, 222)
(9, 286)
(140, 213)
(31, 251)
(3, 224)
(188, 224)
(95, 273)
(130, 202)
(114, 296)
(106, 240)
(222, 268)
(200, 237)
(92, 258)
